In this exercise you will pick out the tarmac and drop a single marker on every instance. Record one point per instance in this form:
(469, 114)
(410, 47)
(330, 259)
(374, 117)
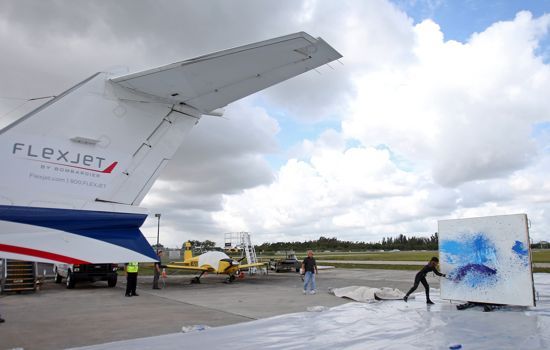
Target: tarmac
(390, 324)
(57, 318)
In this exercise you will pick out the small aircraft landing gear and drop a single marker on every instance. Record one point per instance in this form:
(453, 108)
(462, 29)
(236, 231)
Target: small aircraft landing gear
(197, 279)
(230, 279)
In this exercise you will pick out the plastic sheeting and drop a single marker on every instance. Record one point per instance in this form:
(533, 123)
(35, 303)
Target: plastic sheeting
(376, 325)
(366, 294)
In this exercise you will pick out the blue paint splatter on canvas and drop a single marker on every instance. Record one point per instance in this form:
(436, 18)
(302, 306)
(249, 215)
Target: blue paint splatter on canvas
(476, 260)
(474, 275)
(477, 250)
(521, 253)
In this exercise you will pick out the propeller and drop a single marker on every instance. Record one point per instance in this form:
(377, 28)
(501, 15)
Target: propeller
(232, 263)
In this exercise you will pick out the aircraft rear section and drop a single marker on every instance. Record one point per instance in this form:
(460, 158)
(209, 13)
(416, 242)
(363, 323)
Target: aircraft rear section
(73, 236)
(79, 166)
(97, 143)
(99, 147)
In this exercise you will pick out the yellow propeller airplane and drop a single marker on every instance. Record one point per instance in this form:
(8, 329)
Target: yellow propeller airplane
(213, 262)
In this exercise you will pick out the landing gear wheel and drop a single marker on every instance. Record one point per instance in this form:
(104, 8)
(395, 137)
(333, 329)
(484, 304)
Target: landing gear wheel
(231, 278)
(195, 280)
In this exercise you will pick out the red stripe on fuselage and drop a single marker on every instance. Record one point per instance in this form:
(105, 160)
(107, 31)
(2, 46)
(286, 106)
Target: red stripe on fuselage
(40, 254)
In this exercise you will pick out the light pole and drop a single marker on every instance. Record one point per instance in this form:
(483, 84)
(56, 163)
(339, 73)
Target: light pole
(158, 231)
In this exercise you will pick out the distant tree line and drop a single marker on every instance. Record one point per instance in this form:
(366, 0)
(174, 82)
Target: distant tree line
(201, 246)
(540, 245)
(400, 242)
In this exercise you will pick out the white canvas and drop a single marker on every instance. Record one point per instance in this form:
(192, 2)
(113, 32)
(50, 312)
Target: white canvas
(486, 259)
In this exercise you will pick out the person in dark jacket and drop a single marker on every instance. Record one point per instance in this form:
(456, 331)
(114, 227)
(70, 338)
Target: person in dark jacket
(421, 278)
(309, 268)
(157, 270)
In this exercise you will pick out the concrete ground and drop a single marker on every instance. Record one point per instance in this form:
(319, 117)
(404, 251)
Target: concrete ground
(56, 318)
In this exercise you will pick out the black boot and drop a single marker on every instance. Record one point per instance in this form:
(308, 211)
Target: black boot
(428, 300)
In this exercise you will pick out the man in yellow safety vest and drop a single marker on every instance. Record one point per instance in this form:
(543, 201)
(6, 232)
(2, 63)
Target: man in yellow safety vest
(131, 279)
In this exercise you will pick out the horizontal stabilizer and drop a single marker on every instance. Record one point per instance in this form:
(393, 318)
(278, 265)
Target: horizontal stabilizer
(215, 80)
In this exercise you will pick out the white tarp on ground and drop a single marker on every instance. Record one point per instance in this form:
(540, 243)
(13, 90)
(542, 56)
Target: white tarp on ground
(366, 294)
(375, 325)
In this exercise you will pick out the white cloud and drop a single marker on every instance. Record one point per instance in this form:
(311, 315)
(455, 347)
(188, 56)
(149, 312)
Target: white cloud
(366, 33)
(328, 193)
(466, 109)
(460, 115)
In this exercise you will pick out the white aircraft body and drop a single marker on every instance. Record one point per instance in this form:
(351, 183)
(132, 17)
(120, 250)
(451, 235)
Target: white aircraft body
(76, 168)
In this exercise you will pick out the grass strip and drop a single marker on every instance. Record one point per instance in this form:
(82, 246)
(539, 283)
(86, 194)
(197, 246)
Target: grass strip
(405, 267)
(539, 256)
(377, 266)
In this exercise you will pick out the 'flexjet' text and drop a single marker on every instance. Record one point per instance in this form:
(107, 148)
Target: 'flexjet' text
(58, 155)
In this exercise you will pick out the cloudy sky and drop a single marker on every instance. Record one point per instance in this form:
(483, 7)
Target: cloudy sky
(439, 109)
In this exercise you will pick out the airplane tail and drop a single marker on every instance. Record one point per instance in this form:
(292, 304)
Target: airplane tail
(87, 157)
(188, 253)
(95, 143)
(99, 147)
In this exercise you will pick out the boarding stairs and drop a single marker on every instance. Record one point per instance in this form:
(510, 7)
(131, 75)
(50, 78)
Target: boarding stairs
(241, 241)
(18, 276)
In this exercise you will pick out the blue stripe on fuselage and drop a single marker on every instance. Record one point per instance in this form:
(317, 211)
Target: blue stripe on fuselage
(121, 229)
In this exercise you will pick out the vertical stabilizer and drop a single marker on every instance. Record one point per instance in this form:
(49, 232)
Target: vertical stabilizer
(95, 143)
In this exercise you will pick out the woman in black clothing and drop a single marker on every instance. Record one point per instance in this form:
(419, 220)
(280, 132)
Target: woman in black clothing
(421, 278)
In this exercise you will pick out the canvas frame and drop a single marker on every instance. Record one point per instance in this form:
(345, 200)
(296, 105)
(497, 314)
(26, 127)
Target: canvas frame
(487, 260)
